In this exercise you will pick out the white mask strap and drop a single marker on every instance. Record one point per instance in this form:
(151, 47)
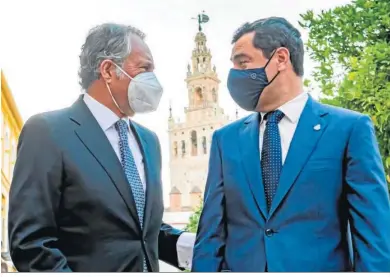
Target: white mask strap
(124, 72)
(113, 99)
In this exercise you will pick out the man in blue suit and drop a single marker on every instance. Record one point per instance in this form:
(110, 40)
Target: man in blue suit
(286, 182)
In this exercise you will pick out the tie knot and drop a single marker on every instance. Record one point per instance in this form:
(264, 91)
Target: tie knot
(121, 126)
(274, 117)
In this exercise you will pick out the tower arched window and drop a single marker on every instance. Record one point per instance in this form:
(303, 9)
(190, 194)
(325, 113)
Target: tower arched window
(204, 145)
(175, 149)
(194, 143)
(198, 96)
(183, 148)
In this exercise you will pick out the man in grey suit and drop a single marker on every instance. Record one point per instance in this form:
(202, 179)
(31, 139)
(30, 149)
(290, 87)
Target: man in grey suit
(86, 193)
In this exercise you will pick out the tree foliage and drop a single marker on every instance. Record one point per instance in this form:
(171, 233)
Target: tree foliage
(351, 45)
(192, 225)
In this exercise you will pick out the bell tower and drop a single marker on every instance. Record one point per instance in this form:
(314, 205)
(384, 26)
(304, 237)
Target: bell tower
(190, 140)
(202, 79)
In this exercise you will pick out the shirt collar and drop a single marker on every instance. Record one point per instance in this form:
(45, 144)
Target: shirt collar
(293, 108)
(103, 115)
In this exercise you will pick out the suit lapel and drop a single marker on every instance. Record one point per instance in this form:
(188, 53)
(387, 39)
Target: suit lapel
(145, 149)
(92, 136)
(250, 154)
(307, 134)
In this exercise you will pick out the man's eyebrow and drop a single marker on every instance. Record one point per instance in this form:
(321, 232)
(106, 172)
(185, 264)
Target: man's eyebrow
(145, 62)
(238, 56)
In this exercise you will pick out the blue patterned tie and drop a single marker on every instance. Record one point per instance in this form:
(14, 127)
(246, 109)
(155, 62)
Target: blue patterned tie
(271, 155)
(131, 172)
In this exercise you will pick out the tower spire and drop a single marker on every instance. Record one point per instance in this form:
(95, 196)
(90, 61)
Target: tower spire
(170, 109)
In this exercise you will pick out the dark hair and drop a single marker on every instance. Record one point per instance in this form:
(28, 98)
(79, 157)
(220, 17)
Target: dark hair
(272, 33)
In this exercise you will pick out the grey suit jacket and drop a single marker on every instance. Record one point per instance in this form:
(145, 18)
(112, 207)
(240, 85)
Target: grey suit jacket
(71, 207)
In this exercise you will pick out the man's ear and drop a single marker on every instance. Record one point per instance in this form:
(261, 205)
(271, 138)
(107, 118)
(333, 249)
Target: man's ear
(282, 58)
(107, 70)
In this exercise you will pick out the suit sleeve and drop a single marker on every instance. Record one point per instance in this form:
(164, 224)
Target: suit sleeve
(210, 239)
(34, 199)
(368, 199)
(168, 235)
(167, 242)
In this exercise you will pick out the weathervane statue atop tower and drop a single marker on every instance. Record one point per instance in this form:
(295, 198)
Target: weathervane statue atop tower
(202, 18)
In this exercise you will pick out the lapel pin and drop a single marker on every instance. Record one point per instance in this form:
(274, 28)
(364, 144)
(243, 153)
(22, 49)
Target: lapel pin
(317, 127)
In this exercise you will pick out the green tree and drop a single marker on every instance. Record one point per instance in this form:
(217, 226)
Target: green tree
(192, 225)
(351, 45)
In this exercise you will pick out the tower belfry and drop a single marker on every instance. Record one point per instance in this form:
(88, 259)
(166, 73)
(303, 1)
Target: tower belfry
(202, 79)
(190, 140)
(201, 56)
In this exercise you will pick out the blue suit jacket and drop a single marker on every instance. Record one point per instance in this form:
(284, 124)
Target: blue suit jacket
(331, 177)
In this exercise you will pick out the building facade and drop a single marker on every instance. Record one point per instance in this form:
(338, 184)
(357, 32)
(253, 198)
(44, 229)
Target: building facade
(190, 140)
(11, 125)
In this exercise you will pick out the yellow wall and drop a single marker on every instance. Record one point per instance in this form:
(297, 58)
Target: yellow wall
(11, 125)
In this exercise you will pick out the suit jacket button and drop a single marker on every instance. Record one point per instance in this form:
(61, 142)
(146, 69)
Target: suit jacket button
(269, 232)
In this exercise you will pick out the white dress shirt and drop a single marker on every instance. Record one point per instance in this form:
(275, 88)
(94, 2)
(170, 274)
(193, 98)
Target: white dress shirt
(292, 112)
(107, 119)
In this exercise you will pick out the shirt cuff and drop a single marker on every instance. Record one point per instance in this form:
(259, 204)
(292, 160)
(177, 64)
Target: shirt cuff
(185, 248)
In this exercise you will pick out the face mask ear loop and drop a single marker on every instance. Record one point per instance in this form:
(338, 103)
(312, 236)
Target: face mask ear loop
(273, 78)
(267, 65)
(270, 58)
(113, 99)
(124, 72)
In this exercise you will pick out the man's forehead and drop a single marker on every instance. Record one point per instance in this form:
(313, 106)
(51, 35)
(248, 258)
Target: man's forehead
(140, 49)
(137, 44)
(246, 41)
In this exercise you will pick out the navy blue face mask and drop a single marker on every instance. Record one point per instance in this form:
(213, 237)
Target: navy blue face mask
(246, 85)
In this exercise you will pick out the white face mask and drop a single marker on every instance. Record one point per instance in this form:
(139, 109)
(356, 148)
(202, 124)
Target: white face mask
(144, 92)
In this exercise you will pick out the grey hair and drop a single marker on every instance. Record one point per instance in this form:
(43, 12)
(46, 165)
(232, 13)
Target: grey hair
(106, 41)
(272, 33)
